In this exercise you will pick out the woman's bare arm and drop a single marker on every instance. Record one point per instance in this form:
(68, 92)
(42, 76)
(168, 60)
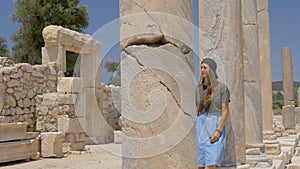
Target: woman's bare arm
(225, 110)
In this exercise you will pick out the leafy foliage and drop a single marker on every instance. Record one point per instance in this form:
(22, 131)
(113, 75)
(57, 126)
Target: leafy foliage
(277, 100)
(114, 67)
(34, 15)
(277, 95)
(4, 52)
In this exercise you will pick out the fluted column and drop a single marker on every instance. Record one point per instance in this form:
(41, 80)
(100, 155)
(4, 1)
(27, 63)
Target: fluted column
(157, 94)
(220, 38)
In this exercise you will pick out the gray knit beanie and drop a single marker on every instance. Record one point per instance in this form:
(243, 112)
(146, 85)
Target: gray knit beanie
(212, 64)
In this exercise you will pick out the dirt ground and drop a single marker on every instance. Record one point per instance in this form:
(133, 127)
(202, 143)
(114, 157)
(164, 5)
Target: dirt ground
(96, 157)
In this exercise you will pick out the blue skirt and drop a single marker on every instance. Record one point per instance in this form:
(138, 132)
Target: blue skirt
(209, 153)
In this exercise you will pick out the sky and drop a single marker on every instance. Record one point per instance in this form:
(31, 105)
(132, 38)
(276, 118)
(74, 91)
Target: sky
(103, 24)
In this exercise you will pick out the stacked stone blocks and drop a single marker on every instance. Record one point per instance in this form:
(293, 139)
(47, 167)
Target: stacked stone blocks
(19, 85)
(16, 143)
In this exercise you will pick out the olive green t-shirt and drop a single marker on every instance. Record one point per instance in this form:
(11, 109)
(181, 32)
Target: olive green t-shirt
(220, 95)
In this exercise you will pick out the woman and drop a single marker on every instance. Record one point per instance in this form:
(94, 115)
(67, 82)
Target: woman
(212, 101)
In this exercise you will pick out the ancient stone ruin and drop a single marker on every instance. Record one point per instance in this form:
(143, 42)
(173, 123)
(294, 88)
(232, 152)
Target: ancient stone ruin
(45, 114)
(39, 104)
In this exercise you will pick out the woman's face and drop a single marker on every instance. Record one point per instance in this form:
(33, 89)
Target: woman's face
(204, 70)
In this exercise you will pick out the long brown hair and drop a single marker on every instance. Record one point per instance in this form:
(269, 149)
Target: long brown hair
(208, 97)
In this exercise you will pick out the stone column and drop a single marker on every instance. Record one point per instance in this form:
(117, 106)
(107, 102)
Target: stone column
(263, 22)
(297, 109)
(157, 94)
(288, 110)
(298, 92)
(220, 38)
(252, 87)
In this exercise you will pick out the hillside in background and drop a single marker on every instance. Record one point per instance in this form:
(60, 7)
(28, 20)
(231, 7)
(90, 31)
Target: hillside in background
(277, 86)
(277, 94)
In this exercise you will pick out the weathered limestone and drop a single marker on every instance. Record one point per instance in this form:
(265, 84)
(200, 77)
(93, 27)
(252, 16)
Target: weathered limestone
(51, 144)
(56, 55)
(12, 131)
(74, 133)
(19, 150)
(272, 147)
(288, 116)
(2, 91)
(16, 144)
(56, 36)
(109, 102)
(50, 106)
(69, 85)
(252, 88)
(23, 82)
(148, 22)
(156, 65)
(58, 40)
(287, 77)
(298, 91)
(220, 38)
(263, 22)
(252, 82)
(117, 137)
(288, 111)
(96, 127)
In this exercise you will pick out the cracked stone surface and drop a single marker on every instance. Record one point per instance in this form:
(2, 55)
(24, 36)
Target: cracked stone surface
(157, 106)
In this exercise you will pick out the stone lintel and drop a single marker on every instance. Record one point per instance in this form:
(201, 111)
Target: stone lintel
(13, 131)
(55, 36)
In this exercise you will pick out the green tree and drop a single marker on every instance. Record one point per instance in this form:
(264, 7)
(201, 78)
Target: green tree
(34, 15)
(277, 100)
(114, 67)
(4, 52)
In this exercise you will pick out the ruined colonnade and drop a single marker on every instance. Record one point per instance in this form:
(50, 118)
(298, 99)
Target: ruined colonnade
(236, 35)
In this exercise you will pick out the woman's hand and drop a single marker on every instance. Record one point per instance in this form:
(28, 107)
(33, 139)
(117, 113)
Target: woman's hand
(215, 137)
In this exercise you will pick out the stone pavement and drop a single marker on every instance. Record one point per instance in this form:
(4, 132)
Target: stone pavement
(108, 156)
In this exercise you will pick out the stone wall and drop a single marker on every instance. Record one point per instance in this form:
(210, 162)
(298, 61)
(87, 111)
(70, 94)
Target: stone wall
(19, 84)
(109, 102)
(51, 106)
(30, 94)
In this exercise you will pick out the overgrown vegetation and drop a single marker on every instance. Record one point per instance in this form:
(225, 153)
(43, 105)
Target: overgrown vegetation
(34, 15)
(114, 68)
(277, 95)
(4, 52)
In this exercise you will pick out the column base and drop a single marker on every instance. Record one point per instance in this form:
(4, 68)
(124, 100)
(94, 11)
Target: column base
(272, 147)
(255, 158)
(245, 166)
(259, 161)
(269, 135)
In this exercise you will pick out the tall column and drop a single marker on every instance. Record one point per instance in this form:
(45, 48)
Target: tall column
(252, 83)
(288, 110)
(272, 146)
(297, 109)
(298, 92)
(287, 77)
(157, 94)
(220, 38)
(263, 21)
